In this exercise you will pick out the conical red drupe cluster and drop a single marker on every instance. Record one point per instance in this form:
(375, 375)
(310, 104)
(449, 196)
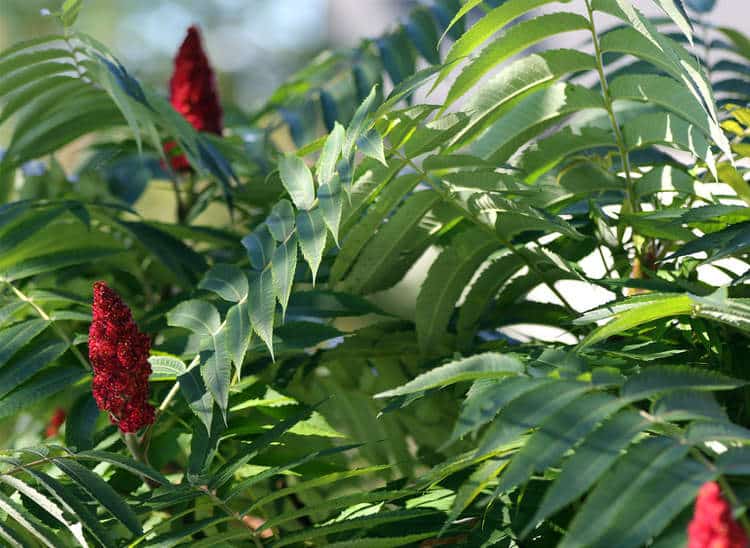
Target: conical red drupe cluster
(713, 525)
(192, 92)
(119, 355)
(55, 422)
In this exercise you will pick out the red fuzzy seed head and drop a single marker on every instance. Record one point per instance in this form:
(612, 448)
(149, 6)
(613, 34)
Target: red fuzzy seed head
(119, 356)
(192, 92)
(177, 160)
(713, 525)
(55, 422)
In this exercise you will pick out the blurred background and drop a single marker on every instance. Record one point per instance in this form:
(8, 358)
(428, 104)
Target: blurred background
(254, 44)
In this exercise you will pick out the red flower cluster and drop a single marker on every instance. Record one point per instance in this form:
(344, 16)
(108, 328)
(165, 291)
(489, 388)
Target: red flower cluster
(192, 92)
(712, 525)
(119, 355)
(55, 422)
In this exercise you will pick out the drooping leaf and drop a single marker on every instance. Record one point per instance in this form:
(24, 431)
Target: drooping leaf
(217, 370)
(635, 475)
(358, 125)
(260, 244)
(298, 181)
(589, 462)
(641, 313)
(330, 202)
(485, 27)
(518, 117)
(257, 446)
(482, 291)
(312, 232)
(371, 144)
(658, 379)
(263, 305)
(182, 260)
(72, 504)
(125, 463)
(445, 282)
(227, 281)
(488, 365)
(405, 235)
(238, 332)
(486, 398)
(17, 367)
(513, 40)
(44, 384)
(528, 411)
(360, 233)
(196, 315)
(102, 492)
(280, 221)
(76, 529)
(424, 34)
(36, 529)
(326, 165)
(284, 266)
(198, 398)
(556, 436)
(80, 424)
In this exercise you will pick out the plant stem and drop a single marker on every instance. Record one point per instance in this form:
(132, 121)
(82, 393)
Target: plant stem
(231, 513)
(135, 448)
(42, 314)
(607, 268)
(181, 212)
(169, 397)
(190, 189)
(608, 105)
(186, 203)
(146, 438)
(138, 449)
(175, 388)
(22, 468)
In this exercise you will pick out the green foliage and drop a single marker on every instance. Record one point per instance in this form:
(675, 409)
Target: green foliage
(295, 406)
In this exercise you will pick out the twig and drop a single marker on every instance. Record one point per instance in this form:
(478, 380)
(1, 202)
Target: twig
(608, 102)
(231, 513)
(145, 440)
